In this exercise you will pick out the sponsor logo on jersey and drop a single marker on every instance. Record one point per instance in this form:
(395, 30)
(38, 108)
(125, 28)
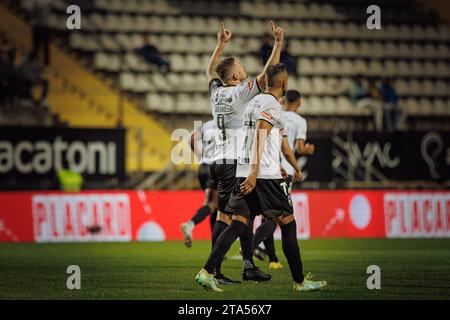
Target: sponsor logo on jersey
(266, 115)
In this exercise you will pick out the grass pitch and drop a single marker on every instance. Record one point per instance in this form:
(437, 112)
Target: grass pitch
(410, 269)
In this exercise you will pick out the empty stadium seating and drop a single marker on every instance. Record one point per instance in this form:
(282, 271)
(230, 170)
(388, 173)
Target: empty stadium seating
(329, 37)
(83, 99)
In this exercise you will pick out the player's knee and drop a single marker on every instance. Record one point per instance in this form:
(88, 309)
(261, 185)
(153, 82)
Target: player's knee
(241, 218)
(224, 217)
(283, 220)
(211, 198)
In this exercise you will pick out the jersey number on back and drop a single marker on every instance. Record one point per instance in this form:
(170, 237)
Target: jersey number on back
(221, 126)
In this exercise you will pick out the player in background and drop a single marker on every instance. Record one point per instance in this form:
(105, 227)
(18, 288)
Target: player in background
(260, 187)
(202, 144)
(230, 93)
(296, 128)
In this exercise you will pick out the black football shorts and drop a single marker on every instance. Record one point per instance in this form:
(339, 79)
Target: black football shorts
(224, 172)
(270, 198)
(205, 178)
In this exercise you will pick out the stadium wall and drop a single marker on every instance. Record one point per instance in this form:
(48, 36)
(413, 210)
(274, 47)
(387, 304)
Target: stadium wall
(156, 215)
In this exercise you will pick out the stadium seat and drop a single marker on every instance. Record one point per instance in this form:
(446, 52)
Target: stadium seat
(440, 107)
(337, 49)
(304, 85)
(252, 64)
(333, 67)
(319, 86)
(441, 88)
(108, 42)
(321, 67)
(127, 81)
(360, 67)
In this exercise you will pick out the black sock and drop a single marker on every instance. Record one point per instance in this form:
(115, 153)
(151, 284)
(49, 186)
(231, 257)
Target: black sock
(219, 227)
(201, 214)
(212, 219)
(292, 251)
(265, 230)
(247, 245)
(269, 243)
(223, 244)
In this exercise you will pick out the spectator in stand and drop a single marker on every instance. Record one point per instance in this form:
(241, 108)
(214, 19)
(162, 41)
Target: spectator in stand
(358, 90)
(376, 103)
(285, 58)
(152, 55)
(288, 60)
(8, 75)
(266, 48)
(32, 80)
(39, 12)
(365, 95)
(390, 106)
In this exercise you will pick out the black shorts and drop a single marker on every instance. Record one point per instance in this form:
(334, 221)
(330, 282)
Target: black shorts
(270, 198)
(225, 175)
(205, 178)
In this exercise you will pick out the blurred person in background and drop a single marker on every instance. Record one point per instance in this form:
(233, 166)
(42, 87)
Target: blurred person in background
(39, 12)
(266, 48)
(390, 106)
(288, 60)
(202, 144)
(152, 55)
(32, 81)
(285, 57)
(365, 94)
(9, 75)
(69, 180)
(376, 103)
(358, 90)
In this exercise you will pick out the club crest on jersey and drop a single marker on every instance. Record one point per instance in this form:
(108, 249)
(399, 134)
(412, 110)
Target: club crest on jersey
(266, 115)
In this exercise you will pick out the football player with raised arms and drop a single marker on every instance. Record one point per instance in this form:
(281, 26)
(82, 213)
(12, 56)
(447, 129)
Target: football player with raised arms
(260, 187)
(230, 93)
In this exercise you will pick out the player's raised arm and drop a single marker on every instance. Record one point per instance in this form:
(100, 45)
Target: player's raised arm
(223, 36)
(290, 157)
(259, 142)
(278, 34)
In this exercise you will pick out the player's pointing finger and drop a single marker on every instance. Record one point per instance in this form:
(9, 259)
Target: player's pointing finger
(272, 25)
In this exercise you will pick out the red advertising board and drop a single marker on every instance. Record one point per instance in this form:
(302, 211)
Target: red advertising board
(157, 215)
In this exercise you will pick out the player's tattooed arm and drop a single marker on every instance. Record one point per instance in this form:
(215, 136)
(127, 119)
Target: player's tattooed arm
(223, 36)
(259, 142)
(278, 35)
(304, 148)
(290, 157)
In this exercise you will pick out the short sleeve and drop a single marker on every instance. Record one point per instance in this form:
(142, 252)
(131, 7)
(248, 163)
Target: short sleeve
(272, 115)
(301, 129)
(248, 90)
(214, 84)
(283, 129)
